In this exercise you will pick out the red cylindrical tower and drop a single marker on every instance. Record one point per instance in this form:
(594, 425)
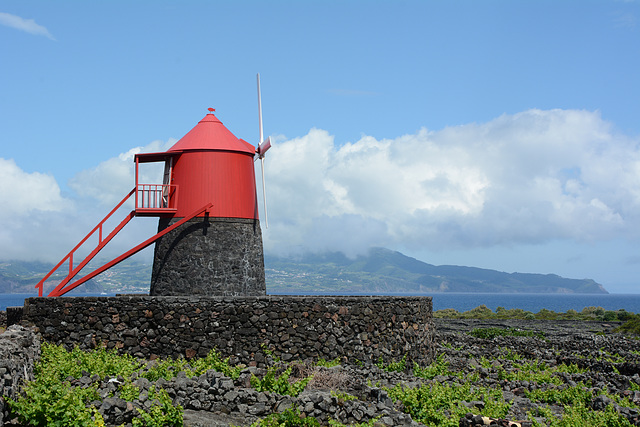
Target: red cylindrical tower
(220, 251)
(212, 165)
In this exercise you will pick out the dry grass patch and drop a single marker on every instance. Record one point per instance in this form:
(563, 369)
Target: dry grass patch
(323, 378)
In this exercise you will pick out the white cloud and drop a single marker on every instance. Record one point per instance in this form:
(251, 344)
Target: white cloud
(27, 25)
(529, 178)
(27, 192)
(526, 178)
(39, 223)
(33, 206)
(112, 179)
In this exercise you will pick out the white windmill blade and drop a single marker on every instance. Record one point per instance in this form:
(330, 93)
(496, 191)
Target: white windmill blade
(259, 111)
(264, 193)
(263, 146)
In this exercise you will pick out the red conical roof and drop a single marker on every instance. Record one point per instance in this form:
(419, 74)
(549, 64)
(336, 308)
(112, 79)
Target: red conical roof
(211, 134)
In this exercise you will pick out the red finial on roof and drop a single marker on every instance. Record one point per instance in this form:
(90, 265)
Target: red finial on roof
(211, 110)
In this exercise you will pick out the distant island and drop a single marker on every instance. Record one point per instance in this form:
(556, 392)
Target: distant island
(386, 271)
(380, 271)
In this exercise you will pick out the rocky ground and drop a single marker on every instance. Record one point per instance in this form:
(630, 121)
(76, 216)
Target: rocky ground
(601, 360)
(607, 362)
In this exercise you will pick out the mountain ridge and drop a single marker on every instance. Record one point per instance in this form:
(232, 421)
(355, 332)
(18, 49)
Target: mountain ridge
(384, 270)
(379, 271)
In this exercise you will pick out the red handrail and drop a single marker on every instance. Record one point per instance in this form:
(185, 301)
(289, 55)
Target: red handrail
(156, 196)
(61, 290)
(69, 256)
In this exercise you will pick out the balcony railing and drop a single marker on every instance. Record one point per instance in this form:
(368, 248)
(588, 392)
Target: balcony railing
(156, 198)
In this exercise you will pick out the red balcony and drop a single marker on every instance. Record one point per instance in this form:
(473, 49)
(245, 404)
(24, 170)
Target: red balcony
(156, 199)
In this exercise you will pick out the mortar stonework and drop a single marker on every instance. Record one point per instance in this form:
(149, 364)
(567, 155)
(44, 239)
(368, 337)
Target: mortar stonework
(211, 257)
(366, 329)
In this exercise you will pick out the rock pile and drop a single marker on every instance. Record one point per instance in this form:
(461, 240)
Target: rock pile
(19, 349)
(213, 399)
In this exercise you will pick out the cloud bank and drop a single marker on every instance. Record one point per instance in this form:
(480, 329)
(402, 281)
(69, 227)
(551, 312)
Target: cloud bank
(528, 178)
(42, 223)
(27, 192)
(26, 25)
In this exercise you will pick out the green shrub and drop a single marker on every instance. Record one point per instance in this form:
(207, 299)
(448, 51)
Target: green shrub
(129, 392)
(328, 363)
(545, 314)
(47, 403)
(162, 413)
(624, 315)
(610, 316)
(393, 366)
(532, 371)
(439, 404)
(631, 325)
(571, 313)
(271, 382)
(169, 368)
(509, 354)
(570, 369)
(50, 400)
(214, 361)
(341, 395)
(57, 362)
(480, 312)
(438, 367)
(578, 395)
(581, 416)
(593, 311)
(164, 368)
(483, 312)
(447, 313)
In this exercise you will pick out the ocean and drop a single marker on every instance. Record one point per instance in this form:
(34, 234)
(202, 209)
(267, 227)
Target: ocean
(465, 301)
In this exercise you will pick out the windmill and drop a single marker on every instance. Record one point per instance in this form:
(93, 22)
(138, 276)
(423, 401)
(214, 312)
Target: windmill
(263, 146)
(209, 240)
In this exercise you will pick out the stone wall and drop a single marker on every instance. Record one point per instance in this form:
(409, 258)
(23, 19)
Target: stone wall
(13, 315)
(358, 328)
(209, 256)
(19, 350)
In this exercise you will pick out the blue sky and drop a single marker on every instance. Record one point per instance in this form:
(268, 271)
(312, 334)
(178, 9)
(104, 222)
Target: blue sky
(494, 134)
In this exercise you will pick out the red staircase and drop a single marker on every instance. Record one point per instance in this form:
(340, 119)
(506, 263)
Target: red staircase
(150, 200)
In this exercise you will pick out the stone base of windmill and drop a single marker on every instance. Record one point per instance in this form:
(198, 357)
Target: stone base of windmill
(209, 256)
